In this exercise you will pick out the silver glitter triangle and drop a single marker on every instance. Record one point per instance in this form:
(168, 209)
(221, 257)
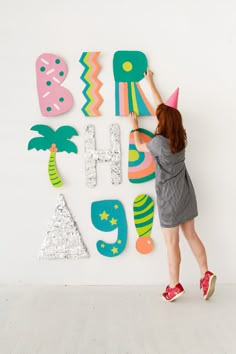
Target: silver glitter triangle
(63, 239)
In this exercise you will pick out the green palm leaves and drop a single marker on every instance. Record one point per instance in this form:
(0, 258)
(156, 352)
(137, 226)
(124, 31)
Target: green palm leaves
(54, 141)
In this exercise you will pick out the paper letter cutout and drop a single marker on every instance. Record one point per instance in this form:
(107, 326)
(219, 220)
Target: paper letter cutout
(141, 164)
(63, 239)
(92, 156)
(129, 68)
(91, 91)
(51, 71)
(143, 208)
(108, 215)
(54, 141)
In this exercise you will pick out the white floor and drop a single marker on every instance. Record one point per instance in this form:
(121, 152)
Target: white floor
(115, 320)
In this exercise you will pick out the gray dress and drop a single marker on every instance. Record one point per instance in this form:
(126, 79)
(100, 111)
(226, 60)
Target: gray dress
(176, 199)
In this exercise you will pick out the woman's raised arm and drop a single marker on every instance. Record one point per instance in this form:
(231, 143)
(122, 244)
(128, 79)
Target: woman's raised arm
(149, 77)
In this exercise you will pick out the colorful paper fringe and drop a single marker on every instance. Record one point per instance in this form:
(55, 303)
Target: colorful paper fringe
(130, 98)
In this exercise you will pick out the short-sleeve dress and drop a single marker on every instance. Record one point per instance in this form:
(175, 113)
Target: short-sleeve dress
(176, 199)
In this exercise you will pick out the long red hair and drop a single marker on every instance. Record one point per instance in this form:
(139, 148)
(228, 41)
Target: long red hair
(171, 127)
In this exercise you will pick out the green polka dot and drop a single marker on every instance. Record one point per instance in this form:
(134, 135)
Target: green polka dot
(42, 68)
(61, 73)
(48, 83)
(57, 61)
(49, 109)
(61, 99)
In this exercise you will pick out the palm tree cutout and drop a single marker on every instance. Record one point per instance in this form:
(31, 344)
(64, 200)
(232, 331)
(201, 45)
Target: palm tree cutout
(54, 141)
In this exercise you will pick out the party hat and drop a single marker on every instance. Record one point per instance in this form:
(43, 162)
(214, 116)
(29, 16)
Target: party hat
(173, 99)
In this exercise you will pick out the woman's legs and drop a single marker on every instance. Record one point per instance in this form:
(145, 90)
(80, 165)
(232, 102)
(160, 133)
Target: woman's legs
(171, 236)
(196, 245)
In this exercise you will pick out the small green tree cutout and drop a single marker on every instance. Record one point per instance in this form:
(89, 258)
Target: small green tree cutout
(54, 141)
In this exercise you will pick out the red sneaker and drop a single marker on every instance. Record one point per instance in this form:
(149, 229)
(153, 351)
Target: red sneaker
(207, 283)
(173, 293)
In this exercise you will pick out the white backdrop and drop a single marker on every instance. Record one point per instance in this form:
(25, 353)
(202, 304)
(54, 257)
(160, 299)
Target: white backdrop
(188, 44)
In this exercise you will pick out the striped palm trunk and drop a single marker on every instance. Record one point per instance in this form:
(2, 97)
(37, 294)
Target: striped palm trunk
(54, 176)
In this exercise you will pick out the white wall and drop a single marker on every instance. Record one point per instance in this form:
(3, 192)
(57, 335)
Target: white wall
(190, 44)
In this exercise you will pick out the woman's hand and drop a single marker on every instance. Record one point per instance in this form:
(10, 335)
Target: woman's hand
(134, 120)
(149, 75)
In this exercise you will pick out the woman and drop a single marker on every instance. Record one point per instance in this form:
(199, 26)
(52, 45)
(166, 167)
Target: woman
(176, 200)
